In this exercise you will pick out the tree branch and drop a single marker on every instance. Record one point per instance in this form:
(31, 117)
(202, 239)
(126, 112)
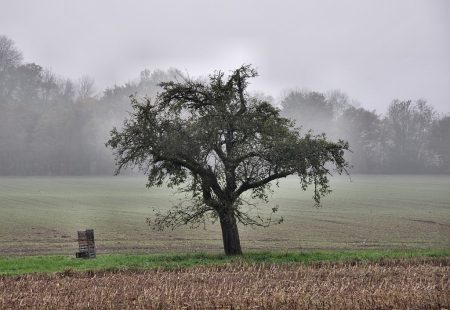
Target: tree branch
(247, 185)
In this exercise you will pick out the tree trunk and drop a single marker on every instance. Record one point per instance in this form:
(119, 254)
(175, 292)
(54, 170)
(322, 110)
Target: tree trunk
(230, 235)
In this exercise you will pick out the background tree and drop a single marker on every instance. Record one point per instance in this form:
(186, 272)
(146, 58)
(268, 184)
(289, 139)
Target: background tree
(50, 125)
(439, 143)
(85, 90)
(335, 114)
(407, 130)
(311, 110)
(10, 56)
(221, 146)
(362, 129)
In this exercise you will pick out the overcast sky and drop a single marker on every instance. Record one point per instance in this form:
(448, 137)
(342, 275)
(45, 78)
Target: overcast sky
(374, 51)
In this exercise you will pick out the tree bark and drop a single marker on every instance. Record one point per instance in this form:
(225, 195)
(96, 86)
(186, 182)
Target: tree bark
(230, 234)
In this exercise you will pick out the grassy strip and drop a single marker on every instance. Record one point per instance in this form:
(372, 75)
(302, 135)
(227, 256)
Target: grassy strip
(58, 263)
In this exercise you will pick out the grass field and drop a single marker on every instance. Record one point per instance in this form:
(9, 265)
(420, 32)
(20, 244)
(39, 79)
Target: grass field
(40, 215)
(119, 262)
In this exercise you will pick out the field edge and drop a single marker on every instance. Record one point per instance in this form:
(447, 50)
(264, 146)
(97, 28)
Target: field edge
(11, 266)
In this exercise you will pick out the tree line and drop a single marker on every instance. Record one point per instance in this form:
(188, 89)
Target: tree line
(51, 125)
(411, 137)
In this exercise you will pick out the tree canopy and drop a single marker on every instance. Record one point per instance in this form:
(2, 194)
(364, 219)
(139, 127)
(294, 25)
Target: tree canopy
(217, 143)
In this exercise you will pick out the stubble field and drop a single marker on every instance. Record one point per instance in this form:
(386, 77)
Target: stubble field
(413, 284)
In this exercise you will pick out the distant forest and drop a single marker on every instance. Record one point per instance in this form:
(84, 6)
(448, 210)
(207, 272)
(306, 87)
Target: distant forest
(55, 126)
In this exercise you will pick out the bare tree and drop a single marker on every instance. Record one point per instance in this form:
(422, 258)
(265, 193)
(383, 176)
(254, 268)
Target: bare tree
(86, 88)
(10, 56)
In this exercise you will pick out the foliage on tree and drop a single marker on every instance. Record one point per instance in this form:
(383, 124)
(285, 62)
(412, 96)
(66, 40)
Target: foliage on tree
(223, 147)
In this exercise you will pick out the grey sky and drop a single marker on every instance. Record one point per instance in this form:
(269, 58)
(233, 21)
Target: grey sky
(373, 50)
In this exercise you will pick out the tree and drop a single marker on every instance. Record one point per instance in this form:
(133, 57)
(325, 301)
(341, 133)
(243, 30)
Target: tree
(10, 56)
(408, 128)
(221, 146)
(85, 88)
(440, 143)
(10, 59)
(310, 109)
(362, 129)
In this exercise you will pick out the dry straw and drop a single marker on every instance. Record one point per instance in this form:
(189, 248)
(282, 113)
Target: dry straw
(384, 285)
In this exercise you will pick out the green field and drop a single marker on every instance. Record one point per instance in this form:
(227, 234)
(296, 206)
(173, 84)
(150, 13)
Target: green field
(40, 215)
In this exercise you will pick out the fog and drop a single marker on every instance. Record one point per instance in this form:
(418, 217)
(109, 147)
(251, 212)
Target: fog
(374, 50)
(374, 73)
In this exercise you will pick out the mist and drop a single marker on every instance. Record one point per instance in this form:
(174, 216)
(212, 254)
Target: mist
(373, 74)
(51, 125)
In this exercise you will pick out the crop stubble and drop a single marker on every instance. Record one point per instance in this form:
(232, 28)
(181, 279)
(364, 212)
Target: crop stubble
(418, 284)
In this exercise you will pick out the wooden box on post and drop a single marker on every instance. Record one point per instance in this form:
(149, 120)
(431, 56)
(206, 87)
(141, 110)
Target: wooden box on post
(86, 244)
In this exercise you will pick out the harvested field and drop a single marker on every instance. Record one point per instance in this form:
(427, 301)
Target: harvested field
(418, 284)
